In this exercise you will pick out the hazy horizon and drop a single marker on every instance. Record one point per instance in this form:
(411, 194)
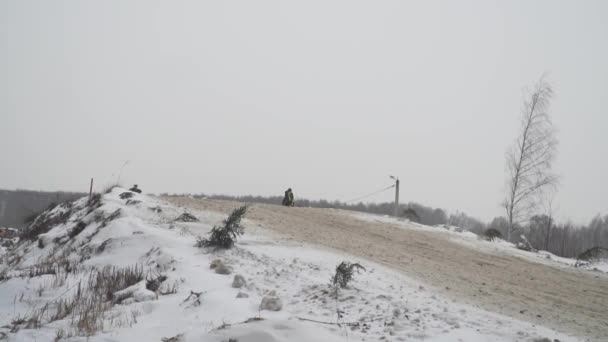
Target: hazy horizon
(328, 98)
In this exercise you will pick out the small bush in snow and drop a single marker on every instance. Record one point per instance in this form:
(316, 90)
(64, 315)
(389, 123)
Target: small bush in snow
(94, 203)
(525, 245)
(169, 289)
(79, 227)
(29, 219)
(492, 234)
(31, 322)
(47, 220)
(194, 299)
(594, 253)
(225, 236)
(99, 216)
(113, 216)
(4, 275)
(89, 303)
(65, 307)
(345, 272)
(176, 338)
(103, 246)
(112, 279)
(411, 215)
(42, 269)
(126, 195)
(186, 217)
(108, 188)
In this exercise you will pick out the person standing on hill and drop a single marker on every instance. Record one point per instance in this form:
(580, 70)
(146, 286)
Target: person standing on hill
(288, 200)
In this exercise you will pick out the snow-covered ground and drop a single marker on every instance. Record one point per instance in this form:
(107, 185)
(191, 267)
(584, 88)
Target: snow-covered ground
(194, 303)
(499, 246)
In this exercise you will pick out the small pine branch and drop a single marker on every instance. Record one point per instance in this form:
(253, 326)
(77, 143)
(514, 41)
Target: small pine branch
(345, 272)
(225, 236)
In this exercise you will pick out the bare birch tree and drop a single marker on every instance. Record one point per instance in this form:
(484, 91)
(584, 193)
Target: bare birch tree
(530, 158)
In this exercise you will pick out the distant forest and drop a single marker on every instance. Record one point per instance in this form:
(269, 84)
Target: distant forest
(562, 239)
(17, 205)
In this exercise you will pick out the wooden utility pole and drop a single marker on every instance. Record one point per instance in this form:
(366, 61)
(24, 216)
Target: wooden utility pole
(396, 197)
(396, 212)
(91, 189)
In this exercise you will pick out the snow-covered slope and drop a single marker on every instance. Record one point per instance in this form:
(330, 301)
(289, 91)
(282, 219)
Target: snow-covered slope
(59, 286)
(499, 246)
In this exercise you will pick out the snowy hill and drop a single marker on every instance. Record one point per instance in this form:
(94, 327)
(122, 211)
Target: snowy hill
(498, 246)
(120, 268)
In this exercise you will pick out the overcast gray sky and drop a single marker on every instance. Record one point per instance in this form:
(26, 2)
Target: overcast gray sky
(326, 97)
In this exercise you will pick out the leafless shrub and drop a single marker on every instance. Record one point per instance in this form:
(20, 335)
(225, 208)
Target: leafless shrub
(194, 298)
(169, 289)
(492, 234)
(99, 216)
(103, 246)
(186, 217)
(78, 228)
(114, 215)
(91, 316)
(593, 254)
(108, 188)
(42, 269)
(94, 203)
(525, 245)
(345, 272)
(88, 305)
(4, 275)
(111, 279)
(47, 220)
(58, 265)
(62, 334)
(176, 338)
(59, 279)
(31, 321)
(126, 195)
(65, 307)
(411, 214)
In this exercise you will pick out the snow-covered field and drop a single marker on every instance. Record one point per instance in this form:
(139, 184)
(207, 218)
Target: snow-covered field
(194, 303)
(498, 246)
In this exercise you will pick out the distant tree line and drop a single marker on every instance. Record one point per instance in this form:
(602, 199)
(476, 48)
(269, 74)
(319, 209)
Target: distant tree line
(18, 206)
